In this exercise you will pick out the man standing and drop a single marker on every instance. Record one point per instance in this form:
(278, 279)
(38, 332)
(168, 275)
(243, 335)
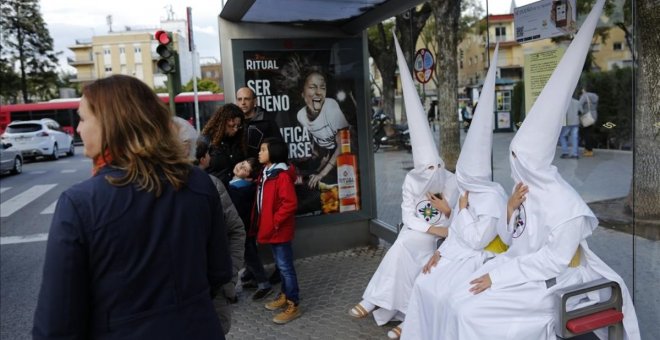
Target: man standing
(571, 128)
(258, 125)
(588, 103)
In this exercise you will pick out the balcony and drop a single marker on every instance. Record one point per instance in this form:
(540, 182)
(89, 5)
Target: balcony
(76, 62)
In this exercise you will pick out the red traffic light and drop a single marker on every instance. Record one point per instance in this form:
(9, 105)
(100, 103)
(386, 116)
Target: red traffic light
(162, 37)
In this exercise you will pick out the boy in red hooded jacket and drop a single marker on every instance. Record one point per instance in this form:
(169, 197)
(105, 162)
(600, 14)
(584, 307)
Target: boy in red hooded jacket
(274, 215)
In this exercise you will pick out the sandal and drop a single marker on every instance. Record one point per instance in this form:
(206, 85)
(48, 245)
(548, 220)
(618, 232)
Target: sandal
(358, 312)
(394, 333)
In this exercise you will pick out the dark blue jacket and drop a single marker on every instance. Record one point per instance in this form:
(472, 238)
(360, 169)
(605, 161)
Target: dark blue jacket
(124, 264)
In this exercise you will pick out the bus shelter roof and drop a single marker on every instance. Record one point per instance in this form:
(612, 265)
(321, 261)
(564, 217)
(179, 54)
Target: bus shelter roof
(350, 16)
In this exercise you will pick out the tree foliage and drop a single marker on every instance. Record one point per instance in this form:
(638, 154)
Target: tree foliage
(28, 46)
(408, 27)
(204, 84)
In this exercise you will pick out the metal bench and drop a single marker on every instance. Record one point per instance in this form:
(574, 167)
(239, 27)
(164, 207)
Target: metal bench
(587, 319)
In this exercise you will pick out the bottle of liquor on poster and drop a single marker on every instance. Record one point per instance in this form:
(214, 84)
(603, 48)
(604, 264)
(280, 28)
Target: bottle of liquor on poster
(347, 175)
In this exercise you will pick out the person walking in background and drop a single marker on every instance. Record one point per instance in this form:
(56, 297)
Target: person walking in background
(224, 134)
(570, 129)
(234, 226)
(123, 259)
(242, 190)
(258, 123)
(588, 104)
(274, 214)
(466, 113)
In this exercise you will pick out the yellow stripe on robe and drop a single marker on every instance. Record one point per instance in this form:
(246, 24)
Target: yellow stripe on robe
(575, 261)
(496, 246)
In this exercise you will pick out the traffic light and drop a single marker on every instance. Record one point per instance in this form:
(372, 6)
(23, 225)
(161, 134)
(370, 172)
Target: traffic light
(165, 49)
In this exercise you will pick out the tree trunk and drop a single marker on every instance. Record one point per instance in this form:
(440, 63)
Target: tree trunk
(447, 16)
(646, 178)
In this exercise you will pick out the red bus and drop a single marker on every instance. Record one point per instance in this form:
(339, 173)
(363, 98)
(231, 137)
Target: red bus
(64, 111)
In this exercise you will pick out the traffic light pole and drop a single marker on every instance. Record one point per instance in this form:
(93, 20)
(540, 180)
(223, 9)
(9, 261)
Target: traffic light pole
(174, 84)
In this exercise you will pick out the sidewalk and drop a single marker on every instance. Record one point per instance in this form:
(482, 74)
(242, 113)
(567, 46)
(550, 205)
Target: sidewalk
(329, 286)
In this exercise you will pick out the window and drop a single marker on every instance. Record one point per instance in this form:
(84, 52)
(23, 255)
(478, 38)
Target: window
(106, 51)
(500, 33)
(138, 50)
(617, 46)
(108, 69)
(122, 50)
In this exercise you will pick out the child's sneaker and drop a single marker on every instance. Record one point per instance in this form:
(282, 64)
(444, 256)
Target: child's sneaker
(279, 302)
(290, 313)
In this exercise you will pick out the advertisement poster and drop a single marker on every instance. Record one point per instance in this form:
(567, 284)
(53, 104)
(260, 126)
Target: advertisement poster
(538, 69)
(311, 94)
(544, 19)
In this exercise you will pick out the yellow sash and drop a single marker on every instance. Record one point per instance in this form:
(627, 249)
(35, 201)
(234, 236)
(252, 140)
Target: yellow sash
(575, 261)
(496, 246)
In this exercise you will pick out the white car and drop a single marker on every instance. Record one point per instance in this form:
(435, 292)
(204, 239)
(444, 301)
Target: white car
(10, 159)
(39, 138)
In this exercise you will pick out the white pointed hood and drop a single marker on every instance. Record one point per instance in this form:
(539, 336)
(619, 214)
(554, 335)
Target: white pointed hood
(424, 150)
(551, 200)
(473, 169)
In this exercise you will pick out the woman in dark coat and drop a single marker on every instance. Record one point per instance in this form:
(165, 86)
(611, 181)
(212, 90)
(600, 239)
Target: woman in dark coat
(138, 250)
(224, 134)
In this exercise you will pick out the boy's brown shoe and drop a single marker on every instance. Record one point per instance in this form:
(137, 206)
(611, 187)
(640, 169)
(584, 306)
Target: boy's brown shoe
(290, 313)
(279, 302)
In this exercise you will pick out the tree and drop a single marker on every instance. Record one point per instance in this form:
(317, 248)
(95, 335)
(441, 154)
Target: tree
(408, 27)
(471, 13)
(9, 83)
(27, 42)
(203, 85)
(447, 15)
(645, 190)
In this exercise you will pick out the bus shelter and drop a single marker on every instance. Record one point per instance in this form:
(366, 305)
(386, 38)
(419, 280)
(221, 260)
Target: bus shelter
(304, 56)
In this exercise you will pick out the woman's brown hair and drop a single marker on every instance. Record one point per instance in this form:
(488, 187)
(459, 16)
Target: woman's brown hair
(215, 128)
(137, 134)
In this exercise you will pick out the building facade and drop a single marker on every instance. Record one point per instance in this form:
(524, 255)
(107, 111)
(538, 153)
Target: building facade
(130, 53)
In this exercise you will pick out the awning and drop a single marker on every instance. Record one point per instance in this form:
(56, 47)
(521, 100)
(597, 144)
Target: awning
(350, 16)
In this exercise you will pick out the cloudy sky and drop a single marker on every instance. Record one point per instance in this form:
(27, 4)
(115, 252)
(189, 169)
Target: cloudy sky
(69, 20)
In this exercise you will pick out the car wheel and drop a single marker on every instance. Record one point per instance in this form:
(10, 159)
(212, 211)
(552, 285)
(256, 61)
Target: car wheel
(18, 166)
(56, 153)
(72, 150)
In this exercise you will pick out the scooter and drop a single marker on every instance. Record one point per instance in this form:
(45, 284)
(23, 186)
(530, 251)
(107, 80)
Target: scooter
(387, 133)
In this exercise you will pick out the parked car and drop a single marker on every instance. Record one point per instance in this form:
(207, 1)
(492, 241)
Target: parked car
(11, 159)
(39, 138)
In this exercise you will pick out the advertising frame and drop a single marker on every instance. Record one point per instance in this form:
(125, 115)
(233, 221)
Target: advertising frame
(354, 46)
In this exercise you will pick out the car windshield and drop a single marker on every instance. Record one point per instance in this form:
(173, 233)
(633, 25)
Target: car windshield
(21, 128)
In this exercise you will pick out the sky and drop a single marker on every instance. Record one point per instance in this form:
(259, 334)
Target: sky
(69, 20)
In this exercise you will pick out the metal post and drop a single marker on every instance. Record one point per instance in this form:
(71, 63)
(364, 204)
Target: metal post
(195, 67)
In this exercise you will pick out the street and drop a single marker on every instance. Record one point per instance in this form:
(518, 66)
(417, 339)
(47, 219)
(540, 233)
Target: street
(28, 202)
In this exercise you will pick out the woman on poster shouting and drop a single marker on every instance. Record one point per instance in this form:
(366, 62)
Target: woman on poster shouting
(322, 117)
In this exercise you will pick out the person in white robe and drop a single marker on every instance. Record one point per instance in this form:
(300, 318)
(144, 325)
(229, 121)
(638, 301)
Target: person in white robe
(429, 192)
(472, 237)
(511, 297)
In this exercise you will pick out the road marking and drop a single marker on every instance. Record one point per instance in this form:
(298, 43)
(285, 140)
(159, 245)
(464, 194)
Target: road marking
(23, 239)
(4, 189)
(17, 202)
(37, 172)
(68, 171)
(50, 209)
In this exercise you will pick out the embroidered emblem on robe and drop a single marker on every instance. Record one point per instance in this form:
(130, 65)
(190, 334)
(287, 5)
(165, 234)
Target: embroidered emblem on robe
(426, 211)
